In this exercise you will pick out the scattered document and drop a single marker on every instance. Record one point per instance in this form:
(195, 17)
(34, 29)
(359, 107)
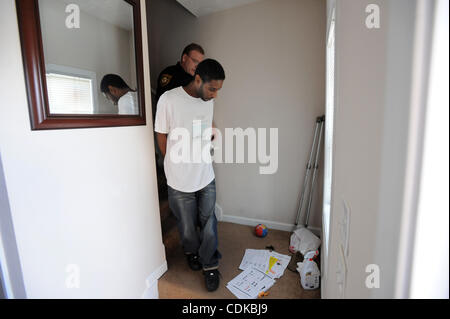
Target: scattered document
(260, 269)
(269, 262)
(277, 264)
(249, 283)
(256, 258)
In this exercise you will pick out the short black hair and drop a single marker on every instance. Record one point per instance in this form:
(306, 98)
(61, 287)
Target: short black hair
(210, 70)
(113, 80)
(192, 47)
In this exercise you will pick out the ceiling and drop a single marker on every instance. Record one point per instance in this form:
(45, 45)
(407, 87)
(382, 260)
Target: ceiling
(201, 8)
(116, 12)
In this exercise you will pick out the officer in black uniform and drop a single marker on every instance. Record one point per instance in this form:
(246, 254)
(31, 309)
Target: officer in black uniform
(180, 74)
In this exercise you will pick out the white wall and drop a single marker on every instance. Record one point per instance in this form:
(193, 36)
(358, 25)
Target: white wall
(359, 93)
(97, 46)
(432, 228)
(86, 197)
(375, 98)
(273, 53)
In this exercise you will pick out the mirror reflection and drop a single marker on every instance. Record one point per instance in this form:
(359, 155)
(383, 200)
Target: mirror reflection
(89, 52)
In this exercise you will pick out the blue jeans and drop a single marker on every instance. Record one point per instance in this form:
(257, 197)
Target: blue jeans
(194, 210)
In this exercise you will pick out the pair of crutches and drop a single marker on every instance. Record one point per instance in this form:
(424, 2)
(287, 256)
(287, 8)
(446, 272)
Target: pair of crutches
(311, 167)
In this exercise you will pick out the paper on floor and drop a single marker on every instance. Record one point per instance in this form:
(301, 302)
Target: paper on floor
(271, 263)
(280, 265)
(249, 283)
(256, 258)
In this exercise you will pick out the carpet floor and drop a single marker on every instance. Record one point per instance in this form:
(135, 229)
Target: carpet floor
(180, 282)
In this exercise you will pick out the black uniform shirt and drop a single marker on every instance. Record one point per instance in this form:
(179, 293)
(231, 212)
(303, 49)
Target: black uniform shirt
(170, 78)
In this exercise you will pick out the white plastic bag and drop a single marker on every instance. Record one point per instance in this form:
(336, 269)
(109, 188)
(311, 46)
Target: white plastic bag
(303, 240)
(309, 271)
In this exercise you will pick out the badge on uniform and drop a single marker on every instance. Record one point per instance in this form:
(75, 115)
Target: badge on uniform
(165, 79)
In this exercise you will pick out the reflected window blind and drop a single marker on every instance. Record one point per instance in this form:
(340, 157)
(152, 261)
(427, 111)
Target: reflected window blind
(69, 94)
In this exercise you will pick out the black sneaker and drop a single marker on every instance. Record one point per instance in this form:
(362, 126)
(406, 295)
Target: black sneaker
(193, 262)
(211, 279)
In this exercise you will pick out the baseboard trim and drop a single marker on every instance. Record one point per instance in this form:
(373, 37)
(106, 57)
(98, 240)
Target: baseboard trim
(156, 274)
(219, 213)
(270, 224)
(151, 292)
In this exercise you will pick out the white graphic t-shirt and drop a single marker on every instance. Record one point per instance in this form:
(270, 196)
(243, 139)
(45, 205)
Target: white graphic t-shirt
(188, 122)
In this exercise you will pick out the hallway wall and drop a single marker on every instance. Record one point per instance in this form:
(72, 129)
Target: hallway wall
(359, 103)
(82, 201)
(373, 111)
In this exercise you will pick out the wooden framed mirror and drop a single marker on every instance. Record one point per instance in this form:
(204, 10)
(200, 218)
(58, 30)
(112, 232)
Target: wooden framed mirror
(83, 62)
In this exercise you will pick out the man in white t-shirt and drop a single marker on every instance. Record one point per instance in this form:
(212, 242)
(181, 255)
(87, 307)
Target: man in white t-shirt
(184, 128)
(119, 93)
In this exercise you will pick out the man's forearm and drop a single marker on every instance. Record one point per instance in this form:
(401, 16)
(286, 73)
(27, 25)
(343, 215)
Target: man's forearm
(162, 143)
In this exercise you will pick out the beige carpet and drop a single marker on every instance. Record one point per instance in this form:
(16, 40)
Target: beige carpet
(179, 282)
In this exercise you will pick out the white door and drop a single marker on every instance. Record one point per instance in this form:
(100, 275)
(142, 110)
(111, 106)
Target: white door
(328, 165)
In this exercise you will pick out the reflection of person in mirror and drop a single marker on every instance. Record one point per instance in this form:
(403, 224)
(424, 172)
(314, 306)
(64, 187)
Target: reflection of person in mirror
(119, 93)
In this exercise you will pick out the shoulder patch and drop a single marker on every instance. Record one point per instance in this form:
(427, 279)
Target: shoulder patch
(165, 79)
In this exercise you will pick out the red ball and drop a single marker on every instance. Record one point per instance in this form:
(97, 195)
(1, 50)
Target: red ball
(261, 230)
